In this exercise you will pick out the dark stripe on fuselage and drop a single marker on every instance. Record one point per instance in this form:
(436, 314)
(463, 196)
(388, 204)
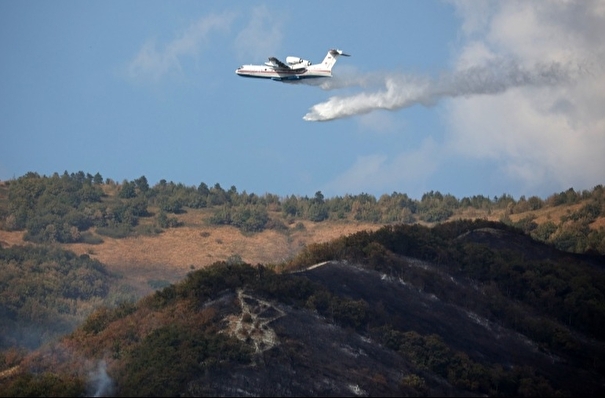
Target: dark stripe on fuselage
(279, 76)
(284, 79)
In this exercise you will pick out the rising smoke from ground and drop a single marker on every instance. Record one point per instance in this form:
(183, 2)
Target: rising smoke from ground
(100, 384)
(397, 91)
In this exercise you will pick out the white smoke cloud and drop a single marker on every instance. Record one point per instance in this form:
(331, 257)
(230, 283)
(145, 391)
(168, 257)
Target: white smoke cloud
(100, 384)
(545, 137)
(152, 63)
(525, 92)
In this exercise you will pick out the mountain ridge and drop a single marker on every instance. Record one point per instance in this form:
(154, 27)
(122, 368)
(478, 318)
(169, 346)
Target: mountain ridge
(473, 304)
(397, 311)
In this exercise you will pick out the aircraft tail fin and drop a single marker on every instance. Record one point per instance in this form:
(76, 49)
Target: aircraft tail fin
(331, 57)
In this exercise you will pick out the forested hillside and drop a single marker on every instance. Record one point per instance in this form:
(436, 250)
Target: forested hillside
(47, 292)
(437, 296)
(80, 207)
(462, 308)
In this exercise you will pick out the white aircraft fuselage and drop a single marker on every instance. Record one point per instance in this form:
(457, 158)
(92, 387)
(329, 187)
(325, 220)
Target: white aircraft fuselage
(294, 69)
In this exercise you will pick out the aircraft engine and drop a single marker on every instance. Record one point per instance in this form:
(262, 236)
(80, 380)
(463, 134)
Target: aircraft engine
(297, 61)
(293, 60)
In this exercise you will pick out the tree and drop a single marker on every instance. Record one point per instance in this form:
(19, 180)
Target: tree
(127, 190)
(171, 204)
(218, 196)
(317, 212)
(203, 189)
(97, 179)
(544, 231)
(319, 198)
(142, 184)
(290, 206)
(250, 218)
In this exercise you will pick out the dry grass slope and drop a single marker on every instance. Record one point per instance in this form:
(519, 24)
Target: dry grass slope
(170, 255)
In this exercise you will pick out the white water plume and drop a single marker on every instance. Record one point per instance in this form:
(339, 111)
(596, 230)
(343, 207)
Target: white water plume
(401, 91)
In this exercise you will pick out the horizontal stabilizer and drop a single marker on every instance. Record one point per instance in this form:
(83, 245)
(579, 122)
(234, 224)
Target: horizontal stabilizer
(339, 52)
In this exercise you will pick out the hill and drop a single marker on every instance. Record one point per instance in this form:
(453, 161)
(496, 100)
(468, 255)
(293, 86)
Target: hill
(47, 292)
(148, 237)
(463, 308)
(72, 243)
(153, 236)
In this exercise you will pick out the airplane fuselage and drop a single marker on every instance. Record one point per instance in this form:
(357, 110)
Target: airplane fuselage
(281, 74)
(294, 68)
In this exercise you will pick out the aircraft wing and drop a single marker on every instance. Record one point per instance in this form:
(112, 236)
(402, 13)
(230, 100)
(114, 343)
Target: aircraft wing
(277, 63)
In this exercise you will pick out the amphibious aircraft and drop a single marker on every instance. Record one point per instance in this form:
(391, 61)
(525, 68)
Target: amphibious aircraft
(294, 69)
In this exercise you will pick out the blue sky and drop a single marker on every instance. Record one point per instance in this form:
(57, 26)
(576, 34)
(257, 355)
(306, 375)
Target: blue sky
(466, 98)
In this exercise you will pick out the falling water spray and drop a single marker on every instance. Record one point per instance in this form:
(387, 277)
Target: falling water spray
(398, 91)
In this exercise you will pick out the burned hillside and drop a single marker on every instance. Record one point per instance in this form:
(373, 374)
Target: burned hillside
(404, 310)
